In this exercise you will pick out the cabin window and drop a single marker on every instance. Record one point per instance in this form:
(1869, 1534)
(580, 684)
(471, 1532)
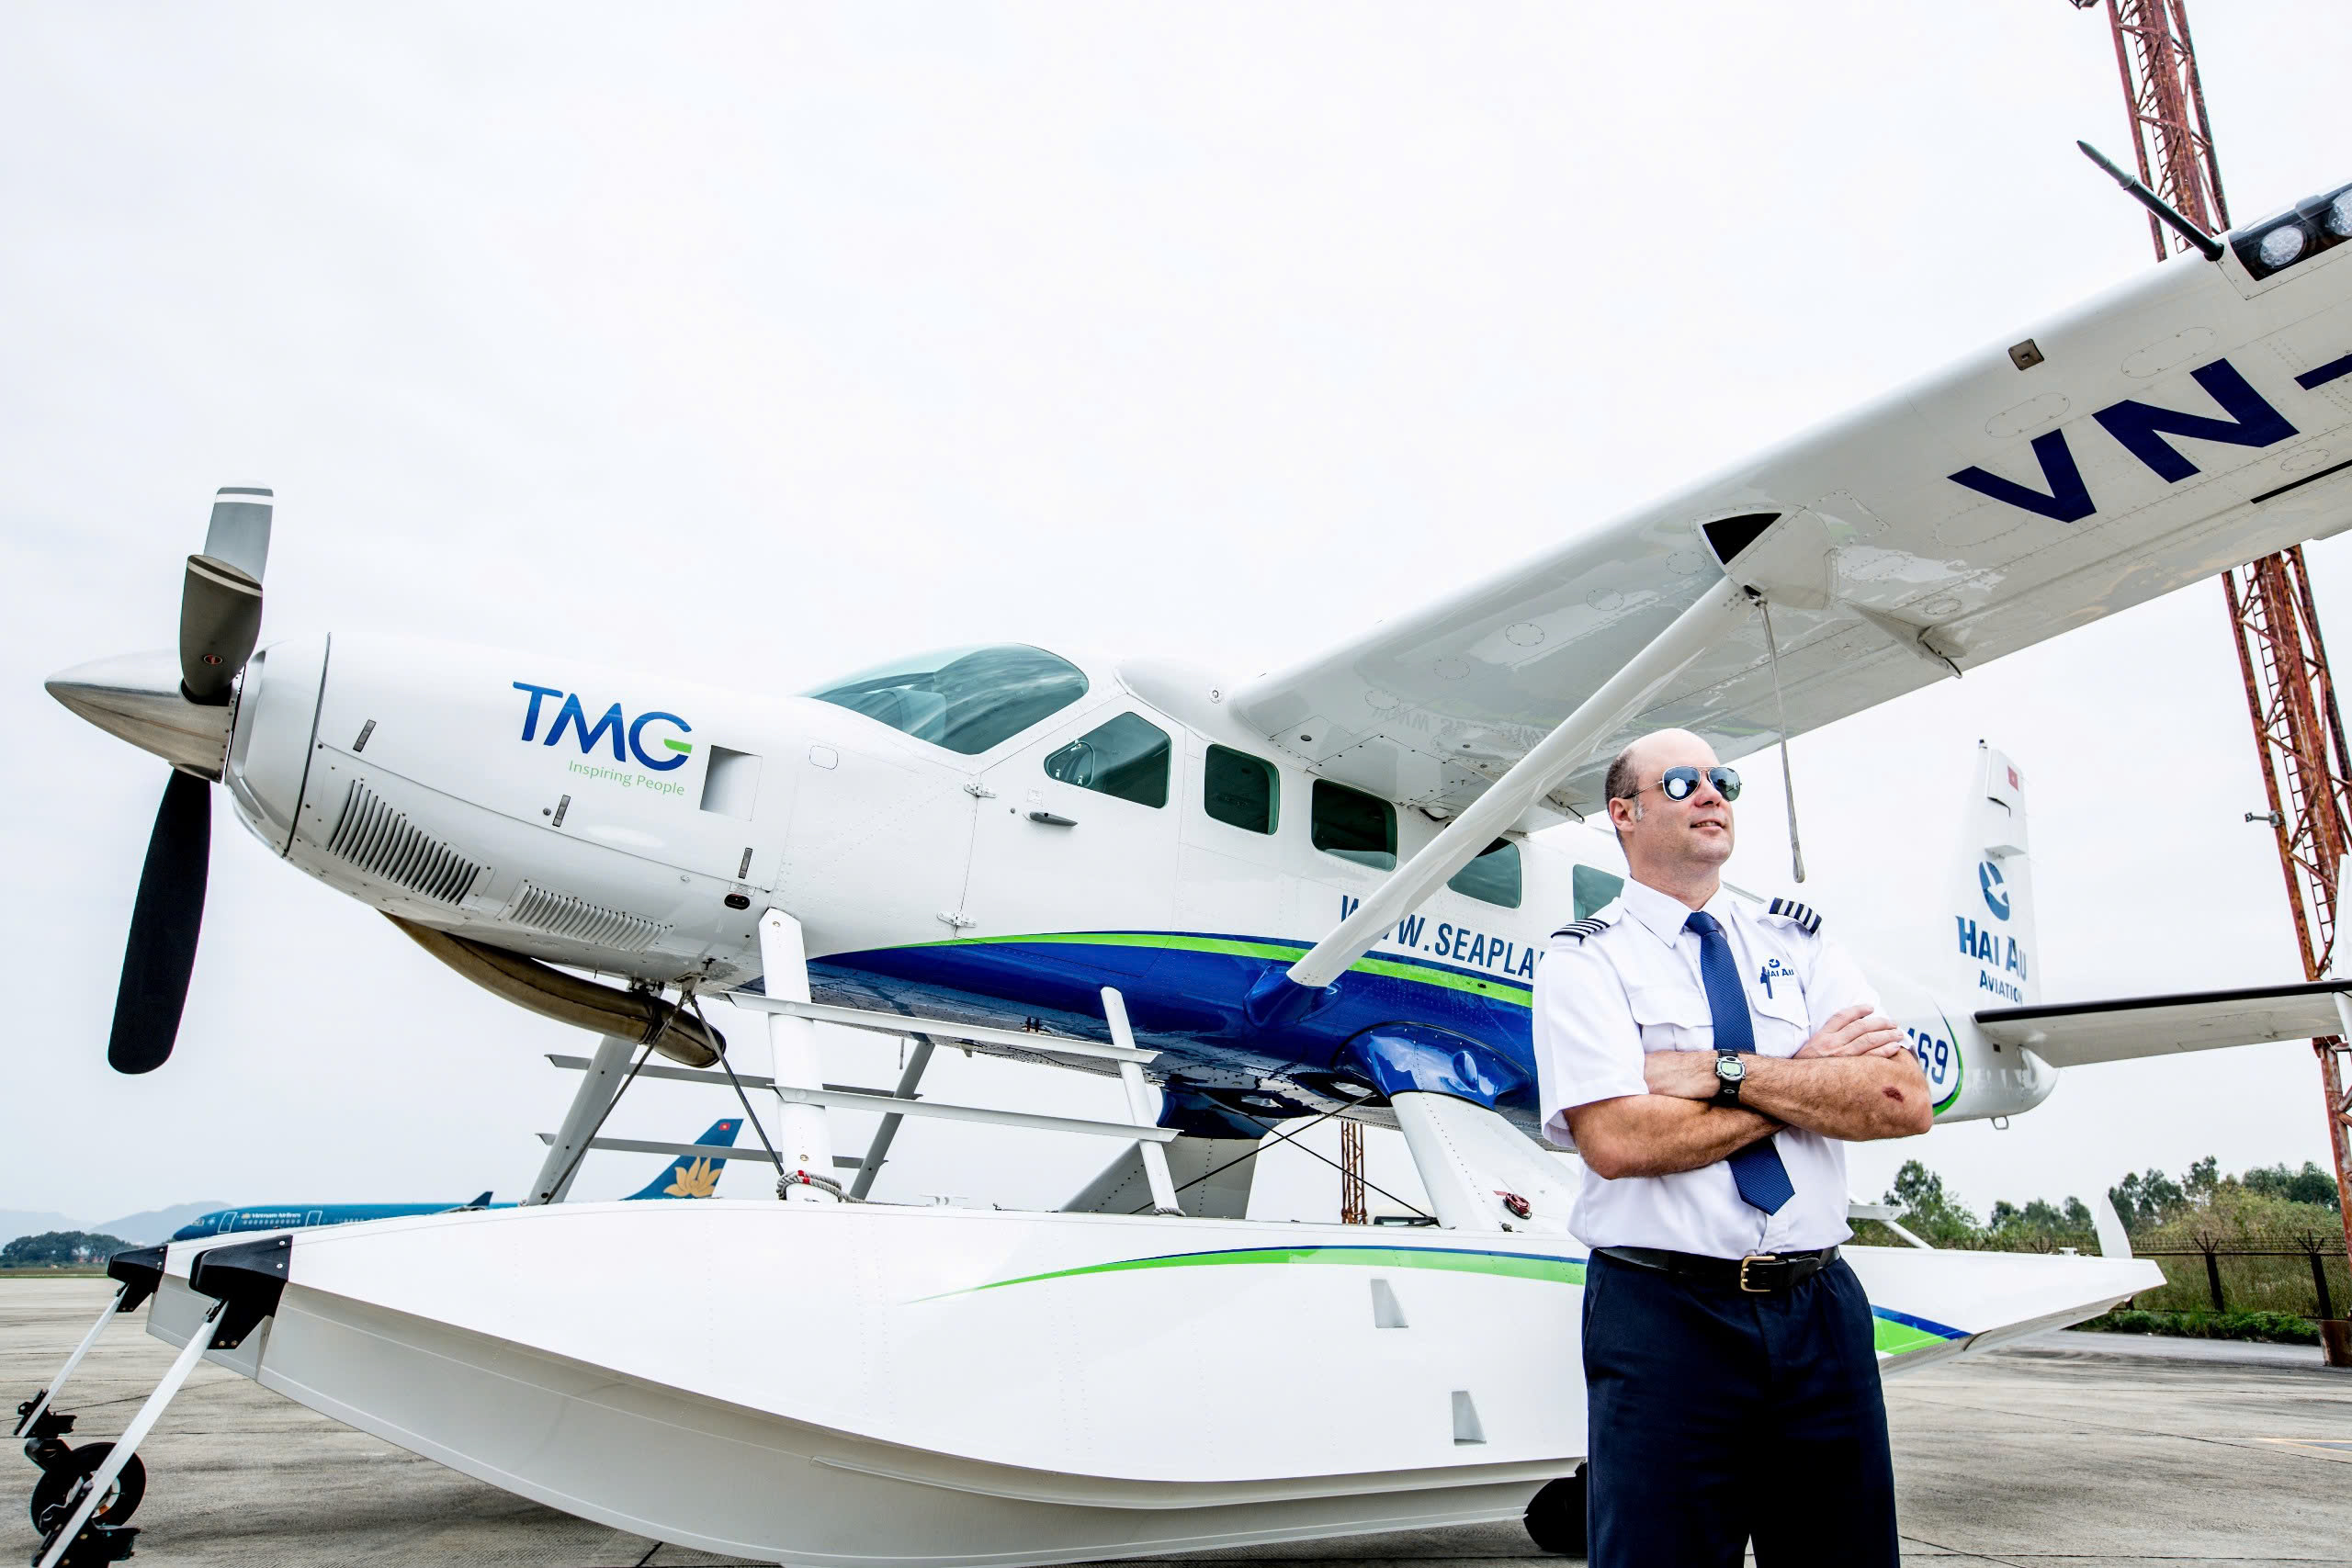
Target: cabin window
(1493, 877)
(1241, 790)
(1126, 758)
(1594, 888)
(1353, 826)
(966, 699)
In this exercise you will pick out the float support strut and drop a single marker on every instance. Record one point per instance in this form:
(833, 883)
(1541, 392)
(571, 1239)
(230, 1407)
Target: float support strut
(1155, 1157)
(888, 1132)
(47, 1396)
(598, 1086)
(804, 1139)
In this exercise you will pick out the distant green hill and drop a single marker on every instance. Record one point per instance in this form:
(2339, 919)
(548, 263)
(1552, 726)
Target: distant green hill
(142, 1229)
(150, 1225)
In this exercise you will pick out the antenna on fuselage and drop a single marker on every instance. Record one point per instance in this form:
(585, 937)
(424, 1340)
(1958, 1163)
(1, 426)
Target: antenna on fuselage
(1780, 704)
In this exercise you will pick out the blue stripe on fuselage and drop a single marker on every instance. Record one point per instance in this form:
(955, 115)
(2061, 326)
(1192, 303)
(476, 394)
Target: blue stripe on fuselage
(1185, 1003)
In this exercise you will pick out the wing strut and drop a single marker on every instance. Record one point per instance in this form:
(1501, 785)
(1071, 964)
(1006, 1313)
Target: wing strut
(1720, 611)
(1780, 709)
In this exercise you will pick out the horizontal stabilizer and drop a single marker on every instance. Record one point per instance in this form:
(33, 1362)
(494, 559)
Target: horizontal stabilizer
(2072, 1034)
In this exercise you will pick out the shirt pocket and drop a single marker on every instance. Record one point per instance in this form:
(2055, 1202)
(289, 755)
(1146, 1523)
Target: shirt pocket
(1783, 1020)
(1672, 1018)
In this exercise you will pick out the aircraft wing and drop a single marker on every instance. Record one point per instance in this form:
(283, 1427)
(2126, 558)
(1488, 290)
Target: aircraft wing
(2194, 419)
(2070, 1035)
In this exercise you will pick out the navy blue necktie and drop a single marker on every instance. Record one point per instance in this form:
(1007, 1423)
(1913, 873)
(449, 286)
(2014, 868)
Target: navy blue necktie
(1762, 1180)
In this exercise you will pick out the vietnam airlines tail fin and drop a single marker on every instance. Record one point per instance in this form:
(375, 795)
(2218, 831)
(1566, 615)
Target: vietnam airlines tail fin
(1992, 895)
(695, 1176)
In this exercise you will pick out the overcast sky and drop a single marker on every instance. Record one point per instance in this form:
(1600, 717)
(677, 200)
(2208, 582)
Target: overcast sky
(760, 343)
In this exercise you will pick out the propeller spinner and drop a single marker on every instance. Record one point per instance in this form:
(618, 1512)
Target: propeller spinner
(183, 715)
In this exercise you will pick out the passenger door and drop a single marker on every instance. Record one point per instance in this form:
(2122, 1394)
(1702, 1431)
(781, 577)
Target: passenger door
(1077, 833)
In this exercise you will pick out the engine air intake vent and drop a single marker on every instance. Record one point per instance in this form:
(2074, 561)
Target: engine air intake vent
(561, 914)
(378, 839)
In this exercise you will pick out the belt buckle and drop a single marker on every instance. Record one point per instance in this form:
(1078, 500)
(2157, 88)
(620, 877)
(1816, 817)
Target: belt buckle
(1754, 1258)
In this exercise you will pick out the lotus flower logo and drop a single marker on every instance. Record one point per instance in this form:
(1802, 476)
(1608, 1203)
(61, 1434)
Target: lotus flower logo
(699, 1179)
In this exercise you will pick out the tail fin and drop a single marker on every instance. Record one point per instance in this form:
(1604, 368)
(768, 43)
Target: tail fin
(695, 1176)
(1992, 897)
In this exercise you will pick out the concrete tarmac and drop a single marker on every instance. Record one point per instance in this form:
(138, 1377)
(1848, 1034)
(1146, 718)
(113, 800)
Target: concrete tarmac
(2078, 1448)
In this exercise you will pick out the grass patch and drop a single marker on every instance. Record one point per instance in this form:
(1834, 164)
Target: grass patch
(2263, 1327)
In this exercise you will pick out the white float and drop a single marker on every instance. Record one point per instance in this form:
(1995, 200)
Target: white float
(868, 1384)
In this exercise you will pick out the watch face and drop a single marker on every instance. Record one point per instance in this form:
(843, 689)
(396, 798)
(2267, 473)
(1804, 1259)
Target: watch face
(1730, 1068)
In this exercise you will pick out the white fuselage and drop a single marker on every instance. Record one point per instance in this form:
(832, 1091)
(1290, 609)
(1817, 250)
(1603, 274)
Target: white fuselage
(636, 826)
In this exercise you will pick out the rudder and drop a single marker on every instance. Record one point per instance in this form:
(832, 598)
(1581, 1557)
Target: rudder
(1992, 897)
(694, 1176)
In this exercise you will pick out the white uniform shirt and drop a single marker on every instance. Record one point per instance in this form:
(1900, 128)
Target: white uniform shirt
(1604, 1002)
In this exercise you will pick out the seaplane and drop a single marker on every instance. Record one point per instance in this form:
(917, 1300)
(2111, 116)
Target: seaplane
(1256, 900)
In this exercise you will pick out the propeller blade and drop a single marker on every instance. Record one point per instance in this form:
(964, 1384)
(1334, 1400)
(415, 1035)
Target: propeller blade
(165, 921)
(219, 623)
(239, 532)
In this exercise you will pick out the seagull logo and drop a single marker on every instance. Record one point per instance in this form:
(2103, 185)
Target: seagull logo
(1996, 892)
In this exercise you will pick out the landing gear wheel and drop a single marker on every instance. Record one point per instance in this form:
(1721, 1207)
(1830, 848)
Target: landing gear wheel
(1556, 1517)
(56, 1487)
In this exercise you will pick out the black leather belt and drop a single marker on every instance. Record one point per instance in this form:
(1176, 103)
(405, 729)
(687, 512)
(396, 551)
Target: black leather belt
(1758, 1274)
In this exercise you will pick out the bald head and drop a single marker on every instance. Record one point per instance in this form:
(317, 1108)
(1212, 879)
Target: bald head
(1676, 846)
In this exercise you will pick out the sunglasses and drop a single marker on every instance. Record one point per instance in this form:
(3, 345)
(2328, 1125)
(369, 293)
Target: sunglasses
(1681, 784)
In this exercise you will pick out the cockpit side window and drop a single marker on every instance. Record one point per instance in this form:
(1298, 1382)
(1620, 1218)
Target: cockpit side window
(1126, 757)
(966, 699)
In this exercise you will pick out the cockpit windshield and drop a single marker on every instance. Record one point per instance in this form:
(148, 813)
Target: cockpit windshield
(965, 699)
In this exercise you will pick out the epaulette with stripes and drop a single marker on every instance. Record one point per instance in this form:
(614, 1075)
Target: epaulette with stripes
(1582, 929)
(1803, 916)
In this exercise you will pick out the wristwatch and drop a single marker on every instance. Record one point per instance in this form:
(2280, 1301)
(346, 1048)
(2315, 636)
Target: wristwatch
(1731, 1071)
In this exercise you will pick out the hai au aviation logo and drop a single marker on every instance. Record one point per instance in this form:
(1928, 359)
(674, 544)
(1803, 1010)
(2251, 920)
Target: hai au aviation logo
(572, 718)
(1996, 891)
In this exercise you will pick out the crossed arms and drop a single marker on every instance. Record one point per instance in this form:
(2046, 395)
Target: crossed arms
(1853, 1080)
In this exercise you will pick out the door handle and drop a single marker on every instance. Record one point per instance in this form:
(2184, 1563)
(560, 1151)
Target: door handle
(1047, 819)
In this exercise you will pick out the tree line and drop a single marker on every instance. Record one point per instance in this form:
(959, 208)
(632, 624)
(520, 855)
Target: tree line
(58, 1249)
(2152, 1199)
(2264, 1200)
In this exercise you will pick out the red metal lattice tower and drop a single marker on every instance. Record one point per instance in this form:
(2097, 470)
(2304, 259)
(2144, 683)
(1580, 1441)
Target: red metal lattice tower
(1353, 1209)
(2169, 131)
(2289, 692)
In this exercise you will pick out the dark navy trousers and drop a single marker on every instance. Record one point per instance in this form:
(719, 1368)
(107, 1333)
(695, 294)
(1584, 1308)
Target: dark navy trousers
(1719, 1417)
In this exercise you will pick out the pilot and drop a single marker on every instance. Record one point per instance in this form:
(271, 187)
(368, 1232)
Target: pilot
(1709, 1058)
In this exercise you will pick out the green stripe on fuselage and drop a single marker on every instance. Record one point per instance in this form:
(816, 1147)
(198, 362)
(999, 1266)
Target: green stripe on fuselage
(1275, 951)
(1888, 1337)
(1509, 1265)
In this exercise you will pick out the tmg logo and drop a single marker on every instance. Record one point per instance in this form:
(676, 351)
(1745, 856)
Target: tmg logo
(573, 719)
